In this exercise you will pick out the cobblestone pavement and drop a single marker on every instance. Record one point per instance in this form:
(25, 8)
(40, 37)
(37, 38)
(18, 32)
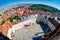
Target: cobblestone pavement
(27, 33)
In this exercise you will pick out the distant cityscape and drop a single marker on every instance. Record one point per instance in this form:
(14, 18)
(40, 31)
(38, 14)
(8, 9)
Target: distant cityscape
(11, 16)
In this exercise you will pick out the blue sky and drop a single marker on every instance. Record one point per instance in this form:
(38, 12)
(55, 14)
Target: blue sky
(54, 3)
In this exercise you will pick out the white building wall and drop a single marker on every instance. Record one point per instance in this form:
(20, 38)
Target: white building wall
(9, 33)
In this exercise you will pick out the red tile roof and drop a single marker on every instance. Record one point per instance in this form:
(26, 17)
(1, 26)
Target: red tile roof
(6, 27)
(1, 28)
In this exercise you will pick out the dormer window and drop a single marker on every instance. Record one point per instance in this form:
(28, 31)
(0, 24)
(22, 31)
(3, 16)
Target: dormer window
(55, 18)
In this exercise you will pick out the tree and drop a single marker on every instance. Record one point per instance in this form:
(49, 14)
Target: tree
(3, 21)
(11, 19)
(16, 17)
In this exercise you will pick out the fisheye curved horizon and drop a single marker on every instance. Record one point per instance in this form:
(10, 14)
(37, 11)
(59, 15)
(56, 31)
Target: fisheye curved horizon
(29, 19)
(7, 3)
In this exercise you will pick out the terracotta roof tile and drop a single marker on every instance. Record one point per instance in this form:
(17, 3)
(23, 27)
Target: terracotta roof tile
(5, 30)
(6, 27)
(0, 27)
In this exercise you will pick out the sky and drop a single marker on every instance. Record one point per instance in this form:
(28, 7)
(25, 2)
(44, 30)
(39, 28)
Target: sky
(53, 3)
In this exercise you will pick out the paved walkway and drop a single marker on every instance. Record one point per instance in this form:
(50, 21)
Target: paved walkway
(27, 33)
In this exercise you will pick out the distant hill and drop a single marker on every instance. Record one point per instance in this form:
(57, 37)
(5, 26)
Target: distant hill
(34, 7)
(44, 8)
